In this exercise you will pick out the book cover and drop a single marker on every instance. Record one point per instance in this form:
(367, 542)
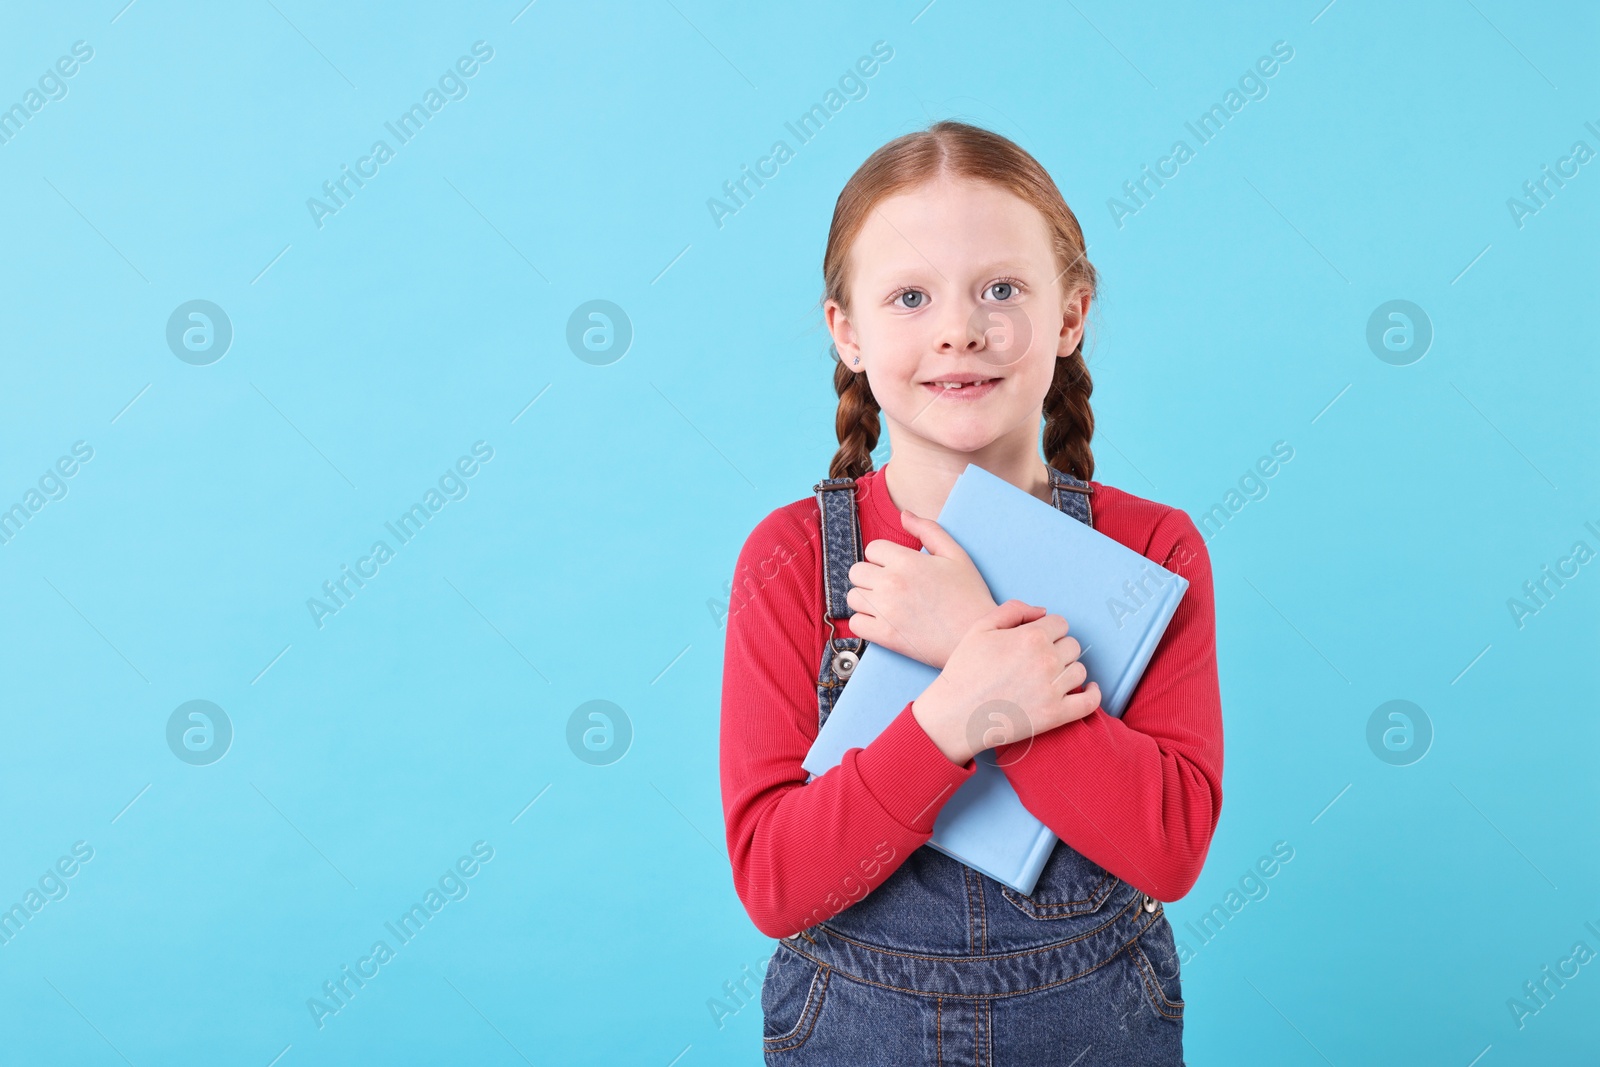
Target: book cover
(1117, 604)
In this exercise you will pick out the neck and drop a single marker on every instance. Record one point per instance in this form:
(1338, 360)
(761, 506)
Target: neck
(919, 480)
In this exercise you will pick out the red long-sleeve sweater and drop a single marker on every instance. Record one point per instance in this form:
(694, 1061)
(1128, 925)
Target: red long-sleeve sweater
(1139, 795)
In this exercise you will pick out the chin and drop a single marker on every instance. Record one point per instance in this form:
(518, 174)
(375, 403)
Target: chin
(968, 440)
(952, 430)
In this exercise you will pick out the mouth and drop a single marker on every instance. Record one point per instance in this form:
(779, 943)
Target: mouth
(962, 387)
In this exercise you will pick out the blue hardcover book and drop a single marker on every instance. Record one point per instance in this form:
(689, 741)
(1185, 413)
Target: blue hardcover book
(1117, 603)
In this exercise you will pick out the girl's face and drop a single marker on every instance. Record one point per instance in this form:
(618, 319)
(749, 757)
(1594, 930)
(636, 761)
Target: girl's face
(955, 281)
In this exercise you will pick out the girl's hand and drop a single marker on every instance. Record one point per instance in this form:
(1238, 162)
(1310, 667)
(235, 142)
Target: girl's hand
(1011, 678)
(918, 604)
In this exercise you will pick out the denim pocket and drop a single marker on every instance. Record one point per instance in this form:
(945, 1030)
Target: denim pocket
(1071, 884)
(1156, 958)
(791, 999)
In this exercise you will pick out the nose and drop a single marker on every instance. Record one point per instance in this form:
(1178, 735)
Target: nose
(961, 327)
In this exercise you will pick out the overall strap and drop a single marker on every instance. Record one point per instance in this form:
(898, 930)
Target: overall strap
(841, 548)
(841, 542)
(1071, 495)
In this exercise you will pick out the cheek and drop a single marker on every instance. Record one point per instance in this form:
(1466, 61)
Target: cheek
(1041, 372)
(893, 357)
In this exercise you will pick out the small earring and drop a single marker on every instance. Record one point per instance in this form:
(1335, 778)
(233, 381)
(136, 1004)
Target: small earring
(856, 360)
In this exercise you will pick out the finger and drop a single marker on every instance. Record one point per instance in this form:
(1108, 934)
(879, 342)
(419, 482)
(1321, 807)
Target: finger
(862, 574)
(1012, 613)
(1081, 705)
(1069, 649)
(857, 599)
(932, 535)
(1052, 626)
(1071, 676)
(882, 551)
(866, 627)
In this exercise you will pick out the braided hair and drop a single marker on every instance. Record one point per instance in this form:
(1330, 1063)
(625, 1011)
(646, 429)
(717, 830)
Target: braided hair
(971, 152)
(856, 423)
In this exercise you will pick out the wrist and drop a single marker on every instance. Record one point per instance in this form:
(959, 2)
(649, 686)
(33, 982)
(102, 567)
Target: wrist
(941, 656)
(931, 710)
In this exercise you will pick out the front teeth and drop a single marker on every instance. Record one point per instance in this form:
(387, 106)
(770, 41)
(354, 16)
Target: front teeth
(956, 385)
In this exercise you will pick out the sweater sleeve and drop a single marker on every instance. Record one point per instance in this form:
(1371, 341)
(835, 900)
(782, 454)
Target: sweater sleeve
(1140, 795)
(803, 852)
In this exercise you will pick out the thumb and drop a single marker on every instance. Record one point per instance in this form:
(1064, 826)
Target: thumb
(932, 535)
(1012, 613)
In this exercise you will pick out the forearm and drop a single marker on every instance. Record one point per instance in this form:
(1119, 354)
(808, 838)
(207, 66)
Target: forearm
(1141, 807)
(802, 853)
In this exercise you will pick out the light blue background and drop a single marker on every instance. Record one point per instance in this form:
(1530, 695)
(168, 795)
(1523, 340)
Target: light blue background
(587, 560)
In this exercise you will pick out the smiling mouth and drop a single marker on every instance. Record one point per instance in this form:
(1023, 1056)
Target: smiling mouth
(962, 389)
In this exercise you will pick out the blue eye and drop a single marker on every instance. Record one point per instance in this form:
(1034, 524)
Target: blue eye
(1007, 286)
(916, 296)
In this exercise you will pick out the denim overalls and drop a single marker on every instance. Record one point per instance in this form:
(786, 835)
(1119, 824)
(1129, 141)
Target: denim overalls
(943, 965)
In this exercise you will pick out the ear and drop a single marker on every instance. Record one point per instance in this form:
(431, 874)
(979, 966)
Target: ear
(1074, 321)
(844, 336)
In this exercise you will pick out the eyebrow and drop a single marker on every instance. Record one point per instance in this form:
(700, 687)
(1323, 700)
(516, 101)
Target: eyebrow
(1002, 264)
(1014, 266)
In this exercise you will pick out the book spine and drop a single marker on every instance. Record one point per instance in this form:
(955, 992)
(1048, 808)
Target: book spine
(1033, 865)
(1117, 702)
(1016, 867)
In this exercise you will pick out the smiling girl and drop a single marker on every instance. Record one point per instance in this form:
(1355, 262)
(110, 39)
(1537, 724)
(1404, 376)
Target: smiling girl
(957, 291)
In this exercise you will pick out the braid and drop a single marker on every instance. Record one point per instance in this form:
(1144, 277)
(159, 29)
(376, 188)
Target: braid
(856, 423)
(1069, 422)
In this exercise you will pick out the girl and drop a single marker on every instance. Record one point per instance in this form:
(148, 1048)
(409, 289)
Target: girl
(957, 292)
